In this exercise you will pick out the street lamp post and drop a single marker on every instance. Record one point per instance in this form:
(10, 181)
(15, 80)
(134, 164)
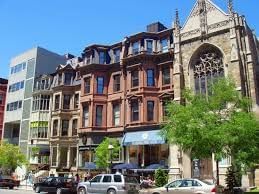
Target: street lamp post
(110, 148)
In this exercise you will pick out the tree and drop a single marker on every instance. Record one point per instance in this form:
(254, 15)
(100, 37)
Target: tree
(161, 177)
(103, 154)
(219, 123)
(11, 157)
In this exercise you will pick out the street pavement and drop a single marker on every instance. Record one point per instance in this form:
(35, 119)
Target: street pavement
(16, 191)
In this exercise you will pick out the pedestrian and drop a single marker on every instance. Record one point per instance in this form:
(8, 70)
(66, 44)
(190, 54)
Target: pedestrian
(77, 178)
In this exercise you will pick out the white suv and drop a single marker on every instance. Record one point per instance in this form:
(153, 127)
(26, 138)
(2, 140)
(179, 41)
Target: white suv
(109, 184)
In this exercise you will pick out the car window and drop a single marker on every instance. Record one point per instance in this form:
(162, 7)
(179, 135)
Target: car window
(174, 184)
(96, 179)
(196, 183)
(107, 179)
(49, 179)
(117, 178)
(186, 183)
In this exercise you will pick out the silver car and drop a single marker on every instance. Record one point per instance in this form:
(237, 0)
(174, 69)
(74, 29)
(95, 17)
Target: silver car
(109, 184)
(185, 186)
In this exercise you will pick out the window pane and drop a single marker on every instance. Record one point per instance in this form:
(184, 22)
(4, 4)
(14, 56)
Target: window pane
(116, 114)
(86, 116)
(117, 178)
(55, 128)
(66, 102)
(135, 48)
(102, 59)
(65, 124)
(116, 84)
(134, 111)
(116, 55)
(150, 77)
(164, 45)
(150, 110)
(166, 76)
(74, 127)
(100, 85)
(87, 85)
(76, 101)
(68, 78)
(99, 112)
(57, 102)
(134, 79)
(149, 46)
(107, 179)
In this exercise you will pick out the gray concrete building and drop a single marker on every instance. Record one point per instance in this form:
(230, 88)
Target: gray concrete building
(24, 69)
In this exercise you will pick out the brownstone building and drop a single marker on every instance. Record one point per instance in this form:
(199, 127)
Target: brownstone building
(65, 118)
(3, 90)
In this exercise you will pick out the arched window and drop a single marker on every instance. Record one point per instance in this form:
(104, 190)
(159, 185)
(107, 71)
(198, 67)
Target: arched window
(207, 66)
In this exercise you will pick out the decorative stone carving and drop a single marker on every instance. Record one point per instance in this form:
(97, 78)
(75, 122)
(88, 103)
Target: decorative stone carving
(218, 25)
(207, 66)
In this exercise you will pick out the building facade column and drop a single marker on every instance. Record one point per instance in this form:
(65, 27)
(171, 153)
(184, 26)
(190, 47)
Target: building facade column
(174, 167)
(68, 156)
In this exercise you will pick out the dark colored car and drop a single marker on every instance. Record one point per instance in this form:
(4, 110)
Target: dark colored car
(8, 181)
(58, 185)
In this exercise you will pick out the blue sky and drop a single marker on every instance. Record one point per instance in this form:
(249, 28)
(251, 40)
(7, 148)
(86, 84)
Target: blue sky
(64, 26)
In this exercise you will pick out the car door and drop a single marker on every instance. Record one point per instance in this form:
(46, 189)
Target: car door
(172, 188)
(105, 183)
(94, 184)
(186, 187)
(52, 185)
(196, 187)
(45, 184)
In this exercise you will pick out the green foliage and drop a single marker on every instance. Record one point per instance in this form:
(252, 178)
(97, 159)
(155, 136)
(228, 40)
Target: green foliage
(35, 151)
(11, 157)
(219, 123)
(103, 154)
(161, 177)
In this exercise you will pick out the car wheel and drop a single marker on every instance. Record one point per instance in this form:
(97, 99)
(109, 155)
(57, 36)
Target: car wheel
(81, 190)
(37, 189)
(111, 191)
(11, 187)
(59, 191)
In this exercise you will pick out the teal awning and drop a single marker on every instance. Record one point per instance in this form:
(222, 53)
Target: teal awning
(143, 138)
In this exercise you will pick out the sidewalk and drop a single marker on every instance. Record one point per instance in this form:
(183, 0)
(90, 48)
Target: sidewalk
(24, 187)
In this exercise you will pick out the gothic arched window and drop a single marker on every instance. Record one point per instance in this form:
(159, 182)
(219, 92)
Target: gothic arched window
(207, 66)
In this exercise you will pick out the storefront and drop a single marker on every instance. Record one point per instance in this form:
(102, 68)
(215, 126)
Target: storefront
(145, 148)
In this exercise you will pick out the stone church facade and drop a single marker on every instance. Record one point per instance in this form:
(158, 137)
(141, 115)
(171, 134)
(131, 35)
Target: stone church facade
(213, 43)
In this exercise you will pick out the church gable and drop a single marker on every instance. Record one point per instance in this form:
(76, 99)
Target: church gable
(213, 15)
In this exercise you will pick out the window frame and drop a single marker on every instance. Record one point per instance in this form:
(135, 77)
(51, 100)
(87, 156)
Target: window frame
(150, 110)
(116, 83)
(135, 111)
(116, 114)
(135, 48)
(134, 78)
(149, 50)
(150, 78)
(100, 85)
(166, 78)
(98, 115)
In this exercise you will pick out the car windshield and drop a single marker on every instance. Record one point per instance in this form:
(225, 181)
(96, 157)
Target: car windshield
(130, 179)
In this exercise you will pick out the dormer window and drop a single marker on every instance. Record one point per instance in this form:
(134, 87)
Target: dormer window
(102, 57)
(135, 48)
(68, 78)
(117, 55)
(164, 45)
(59, 79)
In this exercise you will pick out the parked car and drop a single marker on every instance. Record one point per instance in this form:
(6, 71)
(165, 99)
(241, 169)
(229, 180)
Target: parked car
(58, 185)
(109, 184)
(8, 181)
(185, 186)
